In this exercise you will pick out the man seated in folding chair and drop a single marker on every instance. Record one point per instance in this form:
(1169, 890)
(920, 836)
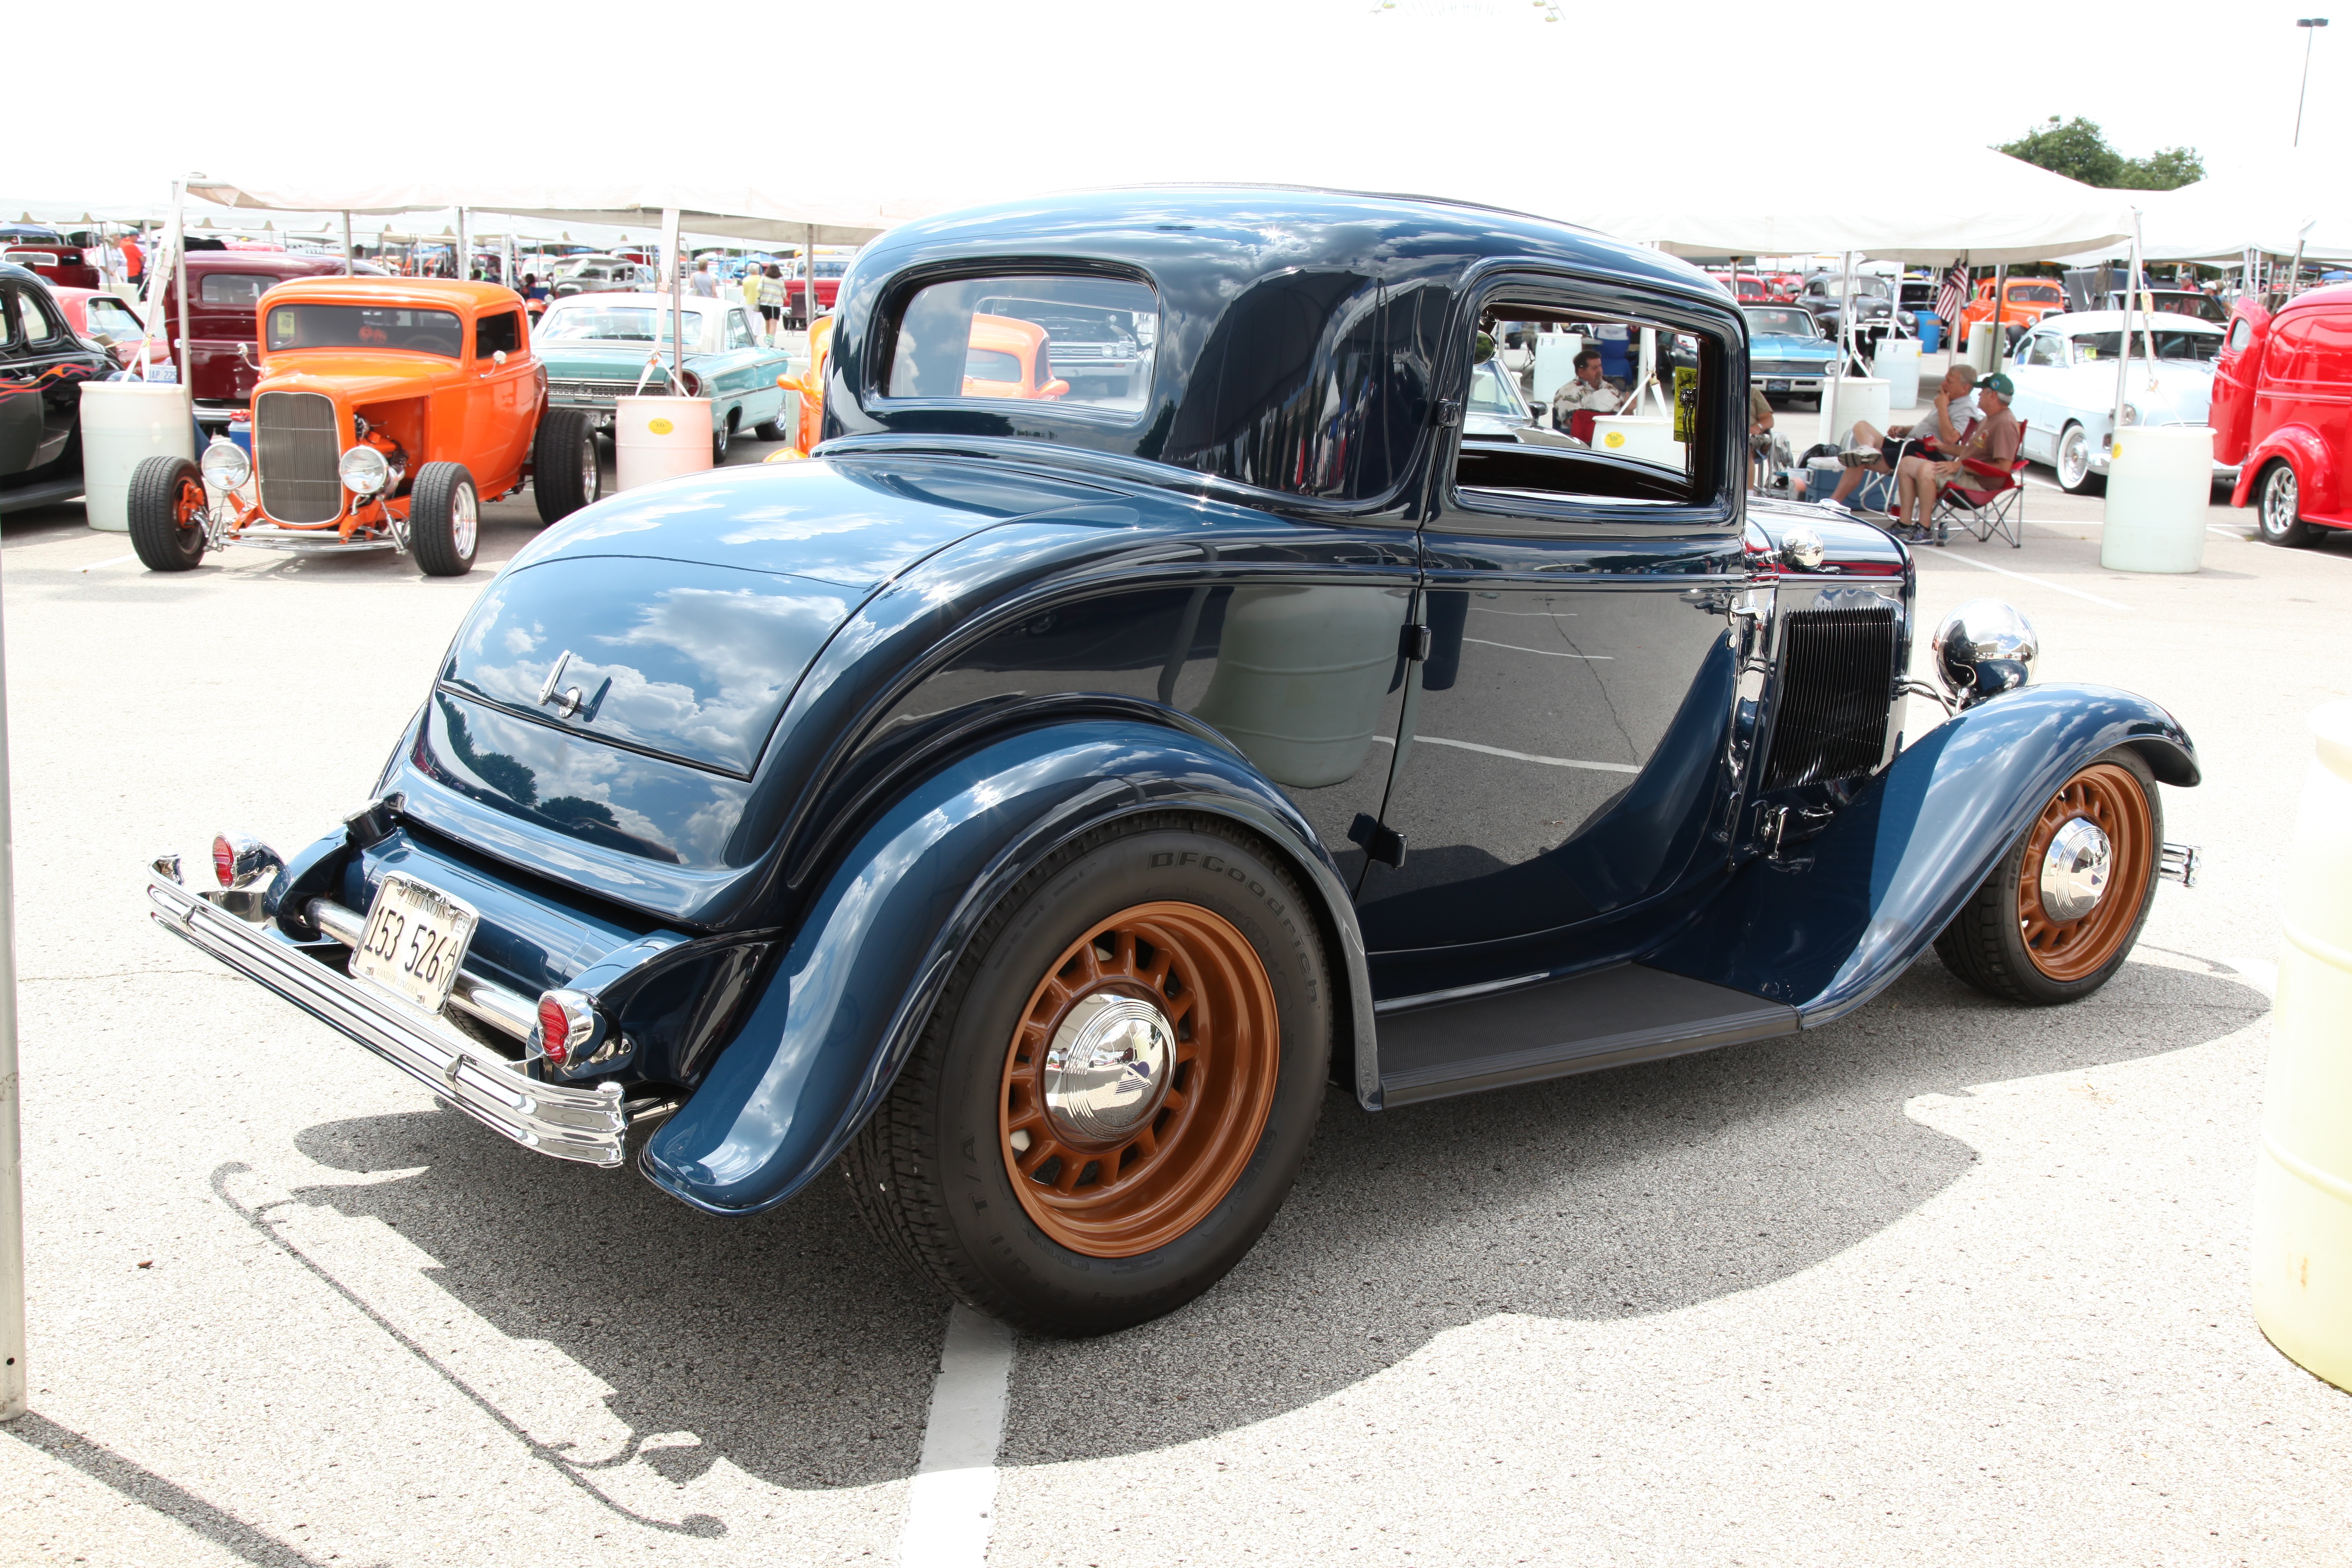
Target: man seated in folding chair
(1971, 476)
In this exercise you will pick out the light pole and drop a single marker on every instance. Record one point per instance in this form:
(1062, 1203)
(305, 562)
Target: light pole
(2310, 26)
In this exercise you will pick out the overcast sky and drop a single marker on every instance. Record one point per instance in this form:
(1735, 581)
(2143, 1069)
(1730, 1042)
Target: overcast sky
(974, 100)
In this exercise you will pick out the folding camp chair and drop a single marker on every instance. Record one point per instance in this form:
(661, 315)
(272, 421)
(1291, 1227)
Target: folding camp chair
(1985, 511)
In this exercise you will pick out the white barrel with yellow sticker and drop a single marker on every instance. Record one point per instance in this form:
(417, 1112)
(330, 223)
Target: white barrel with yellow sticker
(1628, 436)
(657, 438)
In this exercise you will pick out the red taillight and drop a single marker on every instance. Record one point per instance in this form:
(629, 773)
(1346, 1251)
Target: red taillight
(554, 1029)
(224, 859)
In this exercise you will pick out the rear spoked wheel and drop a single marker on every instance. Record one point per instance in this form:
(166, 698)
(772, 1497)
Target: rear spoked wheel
(1115, 1093)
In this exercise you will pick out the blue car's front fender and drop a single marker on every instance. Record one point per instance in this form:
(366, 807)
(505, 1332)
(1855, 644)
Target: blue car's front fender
(1824, 929)
(845, 1007)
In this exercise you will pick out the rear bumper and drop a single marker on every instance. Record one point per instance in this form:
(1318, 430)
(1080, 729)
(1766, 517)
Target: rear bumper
(584, 1124)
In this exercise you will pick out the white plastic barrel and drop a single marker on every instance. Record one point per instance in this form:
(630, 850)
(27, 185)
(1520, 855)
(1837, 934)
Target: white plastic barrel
(1982, 348)
(1555, 363)
(123, 424)
(2160, 484)
(1633, 436)
(1861, 397)
(2302, 1175)
(1896, 362)
(1302, 675)
(657, 438)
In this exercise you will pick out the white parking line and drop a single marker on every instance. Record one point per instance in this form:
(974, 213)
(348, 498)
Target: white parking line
(2037, 582)
(953, 1495)
(1545, 652)
(112, 560)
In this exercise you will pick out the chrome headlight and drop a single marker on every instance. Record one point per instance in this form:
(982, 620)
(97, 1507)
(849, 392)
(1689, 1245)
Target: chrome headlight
(365, 470)
(1984, 648)
(2131, 413)
(225, 465)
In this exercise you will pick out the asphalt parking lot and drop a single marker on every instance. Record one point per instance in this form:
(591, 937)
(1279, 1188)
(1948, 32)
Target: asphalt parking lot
(1948, 1281)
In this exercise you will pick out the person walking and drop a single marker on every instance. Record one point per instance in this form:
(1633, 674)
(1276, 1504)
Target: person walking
(704, 285)
(751, 287)
(771, 300)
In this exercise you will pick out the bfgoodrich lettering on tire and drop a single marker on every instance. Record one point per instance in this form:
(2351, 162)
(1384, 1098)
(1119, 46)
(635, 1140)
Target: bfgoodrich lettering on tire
(1115, 1093)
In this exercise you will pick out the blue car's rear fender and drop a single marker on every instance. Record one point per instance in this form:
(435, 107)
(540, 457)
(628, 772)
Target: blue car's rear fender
(839, 1016)
(1843, 914)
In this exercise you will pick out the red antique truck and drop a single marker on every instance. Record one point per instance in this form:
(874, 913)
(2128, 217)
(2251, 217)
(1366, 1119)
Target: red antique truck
(224, 287)
(2282, 411)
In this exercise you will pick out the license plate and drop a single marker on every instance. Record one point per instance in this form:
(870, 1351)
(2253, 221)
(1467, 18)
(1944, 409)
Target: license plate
(414, 940)
(1778, 385)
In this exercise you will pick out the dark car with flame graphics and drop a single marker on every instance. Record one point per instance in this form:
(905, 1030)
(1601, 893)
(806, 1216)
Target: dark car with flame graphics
(1029, 809)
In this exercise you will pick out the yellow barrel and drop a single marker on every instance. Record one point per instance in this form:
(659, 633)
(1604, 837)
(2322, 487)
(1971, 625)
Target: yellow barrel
(2303, 1182)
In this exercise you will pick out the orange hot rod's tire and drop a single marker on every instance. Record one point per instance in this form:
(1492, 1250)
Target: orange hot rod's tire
(1115, 1093)
(167, 508)
(2063, 910)
(444, 520)
(565, 476)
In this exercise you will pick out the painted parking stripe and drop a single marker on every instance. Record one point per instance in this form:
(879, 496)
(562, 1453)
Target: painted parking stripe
(2037, 582)
(112, 560)
(952, 1499)
(1544, 651)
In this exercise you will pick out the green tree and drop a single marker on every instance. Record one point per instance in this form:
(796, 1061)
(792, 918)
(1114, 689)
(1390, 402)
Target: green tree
(2078, 148)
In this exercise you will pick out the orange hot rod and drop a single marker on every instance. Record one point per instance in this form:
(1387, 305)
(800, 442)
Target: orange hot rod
(387, 410)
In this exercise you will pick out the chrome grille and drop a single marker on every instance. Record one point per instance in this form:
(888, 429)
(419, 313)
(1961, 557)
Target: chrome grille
(604, 388)
(296, 444)
(1837, 688)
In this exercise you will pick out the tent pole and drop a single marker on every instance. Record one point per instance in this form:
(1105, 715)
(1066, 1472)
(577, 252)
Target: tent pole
(2000, 289)
(808, 232)
(2123, 360)
(13, 1385)
(1845, 346)
(677, 301)
(180, 280)
(347, 244)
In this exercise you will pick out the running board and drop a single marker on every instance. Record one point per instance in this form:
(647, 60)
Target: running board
(1604, 1019)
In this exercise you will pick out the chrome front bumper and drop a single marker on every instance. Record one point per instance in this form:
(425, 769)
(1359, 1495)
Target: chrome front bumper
(584, 1124)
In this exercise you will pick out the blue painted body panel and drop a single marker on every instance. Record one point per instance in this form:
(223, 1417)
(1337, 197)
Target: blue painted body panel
(1845, 913)
(843, 1008)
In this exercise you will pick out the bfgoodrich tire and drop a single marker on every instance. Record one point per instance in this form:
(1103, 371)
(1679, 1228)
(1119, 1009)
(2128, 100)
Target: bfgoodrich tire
(1115, 1093)
(167, 507)
(2010, 940)
(444, 520)
(564, 472)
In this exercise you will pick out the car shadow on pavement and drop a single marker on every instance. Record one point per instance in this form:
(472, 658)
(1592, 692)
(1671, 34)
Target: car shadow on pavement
(792, 1348)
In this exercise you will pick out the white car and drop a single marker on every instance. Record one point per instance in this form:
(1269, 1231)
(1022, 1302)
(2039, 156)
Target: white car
(2064, 370)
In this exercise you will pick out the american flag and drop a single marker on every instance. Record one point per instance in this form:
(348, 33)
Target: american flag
(1953, 294)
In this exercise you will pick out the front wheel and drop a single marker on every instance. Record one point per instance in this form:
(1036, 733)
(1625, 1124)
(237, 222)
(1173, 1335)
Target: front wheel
(2059, 914)
(2279, 511)
(168, 509)
(1115, 1093)
(444, 519)
(2073, 465)
(564, 472)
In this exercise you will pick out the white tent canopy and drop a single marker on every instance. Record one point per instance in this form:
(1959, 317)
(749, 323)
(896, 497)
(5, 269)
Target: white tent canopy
(2293, 201)
(737, 212)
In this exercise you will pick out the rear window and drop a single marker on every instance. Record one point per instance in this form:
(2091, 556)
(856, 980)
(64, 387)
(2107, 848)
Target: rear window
(687, 661)
(364, 327)
(1096, 336)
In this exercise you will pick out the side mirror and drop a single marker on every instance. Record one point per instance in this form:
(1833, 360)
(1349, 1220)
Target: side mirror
(793, 384)
(498, 356)
(1054, 388)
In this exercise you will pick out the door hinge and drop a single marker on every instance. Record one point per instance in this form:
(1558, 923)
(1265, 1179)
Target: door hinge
(1385, 845)
(1449, 411)
(1413, 644)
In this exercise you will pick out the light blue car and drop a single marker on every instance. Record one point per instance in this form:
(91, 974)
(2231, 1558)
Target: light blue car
(598, 347)
(1787, 355)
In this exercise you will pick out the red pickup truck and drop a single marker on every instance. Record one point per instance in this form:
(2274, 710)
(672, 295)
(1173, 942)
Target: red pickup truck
(830, 271)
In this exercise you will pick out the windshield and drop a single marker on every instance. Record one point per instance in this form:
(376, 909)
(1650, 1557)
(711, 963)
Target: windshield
(613, 324)
(1492, 394)
(1788, 323)
(2177, 342)
(364, 327)
(111, 320)
(2036, 294)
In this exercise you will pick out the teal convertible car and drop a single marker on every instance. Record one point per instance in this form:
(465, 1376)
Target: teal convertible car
(598, 347)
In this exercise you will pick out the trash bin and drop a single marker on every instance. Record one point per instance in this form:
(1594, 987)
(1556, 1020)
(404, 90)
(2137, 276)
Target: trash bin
(1896, 362)
(1860, 397)
(2303, 1173)
(1629, 435)
(659, 438)
(2160, 484)
(123, 424)
(1931, 334)
(1983, 350)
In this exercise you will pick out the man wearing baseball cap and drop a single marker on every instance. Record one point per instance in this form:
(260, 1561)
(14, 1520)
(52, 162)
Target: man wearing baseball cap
(1993, 440)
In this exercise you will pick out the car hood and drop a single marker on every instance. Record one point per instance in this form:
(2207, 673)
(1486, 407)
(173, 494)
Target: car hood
(1788, 345)
(353, 379)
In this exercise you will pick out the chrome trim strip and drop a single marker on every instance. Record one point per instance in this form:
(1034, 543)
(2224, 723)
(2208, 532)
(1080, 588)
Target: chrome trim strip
(2179, 863)
(1434, 998)
(585, 1125)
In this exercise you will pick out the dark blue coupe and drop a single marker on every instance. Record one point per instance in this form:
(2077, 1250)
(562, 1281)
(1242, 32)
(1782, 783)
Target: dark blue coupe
(1032, 803)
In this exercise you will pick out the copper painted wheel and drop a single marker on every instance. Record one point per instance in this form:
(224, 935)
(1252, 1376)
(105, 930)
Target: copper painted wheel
(2110, 799)
(1115, 1177)
(189, 508)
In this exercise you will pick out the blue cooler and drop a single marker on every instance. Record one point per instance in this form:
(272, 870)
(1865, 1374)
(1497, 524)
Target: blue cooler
(240, 430)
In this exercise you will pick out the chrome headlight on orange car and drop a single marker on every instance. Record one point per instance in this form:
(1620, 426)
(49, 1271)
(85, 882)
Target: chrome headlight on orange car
(365, 470)
(225, 465)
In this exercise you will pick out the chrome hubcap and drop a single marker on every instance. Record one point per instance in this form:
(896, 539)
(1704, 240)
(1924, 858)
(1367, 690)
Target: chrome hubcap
(2074, 870)
(1107, 1068)
(590, 477)
(2074, 459)
(2278, 503)
(462, 520)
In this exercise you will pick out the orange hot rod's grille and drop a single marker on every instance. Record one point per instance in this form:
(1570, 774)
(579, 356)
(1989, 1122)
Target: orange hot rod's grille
(296, 446)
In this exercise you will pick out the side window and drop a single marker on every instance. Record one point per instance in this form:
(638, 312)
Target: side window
(1092, 340)
(738, 331)
(2241, 332)
(2044, 349)
(1624, 420)
(243, 289)
(35, 324)
(12, 337)
(502, 333)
